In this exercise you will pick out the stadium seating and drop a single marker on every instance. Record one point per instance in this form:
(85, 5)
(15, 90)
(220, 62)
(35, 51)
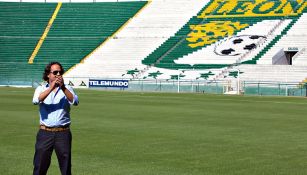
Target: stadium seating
(21, 27)
(160, 39)
(78, 29)
(168, 52)
(144, 33)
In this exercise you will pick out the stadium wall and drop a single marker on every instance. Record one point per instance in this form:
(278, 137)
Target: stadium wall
(195, 86)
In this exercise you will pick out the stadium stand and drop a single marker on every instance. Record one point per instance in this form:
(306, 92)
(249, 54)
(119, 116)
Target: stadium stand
(169, 53)
(143, 34)
(159, 39)
(75, 33)
(21, 27)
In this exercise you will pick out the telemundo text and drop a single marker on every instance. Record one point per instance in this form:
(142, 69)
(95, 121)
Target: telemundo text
(108, 83)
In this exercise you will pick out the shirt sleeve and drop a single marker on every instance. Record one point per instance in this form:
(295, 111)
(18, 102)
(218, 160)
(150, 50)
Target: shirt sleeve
(75, 101)
(37, 92)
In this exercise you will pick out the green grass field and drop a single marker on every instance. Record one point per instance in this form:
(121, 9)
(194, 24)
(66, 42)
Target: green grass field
(125, 133)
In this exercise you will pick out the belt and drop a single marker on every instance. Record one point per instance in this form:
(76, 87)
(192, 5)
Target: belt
(54, 129)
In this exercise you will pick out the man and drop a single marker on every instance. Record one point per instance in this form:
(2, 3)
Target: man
(54, 100)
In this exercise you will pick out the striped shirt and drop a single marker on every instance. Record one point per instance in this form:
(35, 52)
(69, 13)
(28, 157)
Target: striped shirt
(54, 111)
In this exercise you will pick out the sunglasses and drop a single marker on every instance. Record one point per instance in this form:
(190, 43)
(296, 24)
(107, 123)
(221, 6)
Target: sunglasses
(56, 72)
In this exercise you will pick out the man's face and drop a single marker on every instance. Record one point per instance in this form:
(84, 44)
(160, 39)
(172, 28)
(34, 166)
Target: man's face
(55, 71)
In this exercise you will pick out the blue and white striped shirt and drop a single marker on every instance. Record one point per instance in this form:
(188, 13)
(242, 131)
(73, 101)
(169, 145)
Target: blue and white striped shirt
(54, 111)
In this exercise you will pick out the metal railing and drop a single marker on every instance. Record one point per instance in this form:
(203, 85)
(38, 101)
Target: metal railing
(186, 86)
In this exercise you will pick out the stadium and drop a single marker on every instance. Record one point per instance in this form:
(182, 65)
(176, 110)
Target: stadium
(166, 87)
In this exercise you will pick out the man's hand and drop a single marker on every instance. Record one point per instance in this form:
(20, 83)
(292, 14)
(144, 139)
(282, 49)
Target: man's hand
(59, 81)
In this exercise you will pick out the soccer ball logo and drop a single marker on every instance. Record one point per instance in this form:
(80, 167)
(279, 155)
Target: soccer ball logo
(237, 45)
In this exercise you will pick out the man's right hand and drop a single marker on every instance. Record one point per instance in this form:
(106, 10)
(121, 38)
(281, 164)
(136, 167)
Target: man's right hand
(53, 85)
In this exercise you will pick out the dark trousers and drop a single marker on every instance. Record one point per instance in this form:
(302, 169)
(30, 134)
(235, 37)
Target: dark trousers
(46, 141)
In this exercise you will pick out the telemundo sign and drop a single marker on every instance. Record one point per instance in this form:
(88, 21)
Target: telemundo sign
(108, 83)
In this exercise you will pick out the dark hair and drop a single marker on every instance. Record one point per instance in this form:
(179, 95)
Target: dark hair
(48, 68)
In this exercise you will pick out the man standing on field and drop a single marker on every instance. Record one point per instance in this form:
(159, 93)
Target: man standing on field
(54, 100)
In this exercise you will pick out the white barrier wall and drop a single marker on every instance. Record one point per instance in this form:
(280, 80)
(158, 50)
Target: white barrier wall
(77, 82)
